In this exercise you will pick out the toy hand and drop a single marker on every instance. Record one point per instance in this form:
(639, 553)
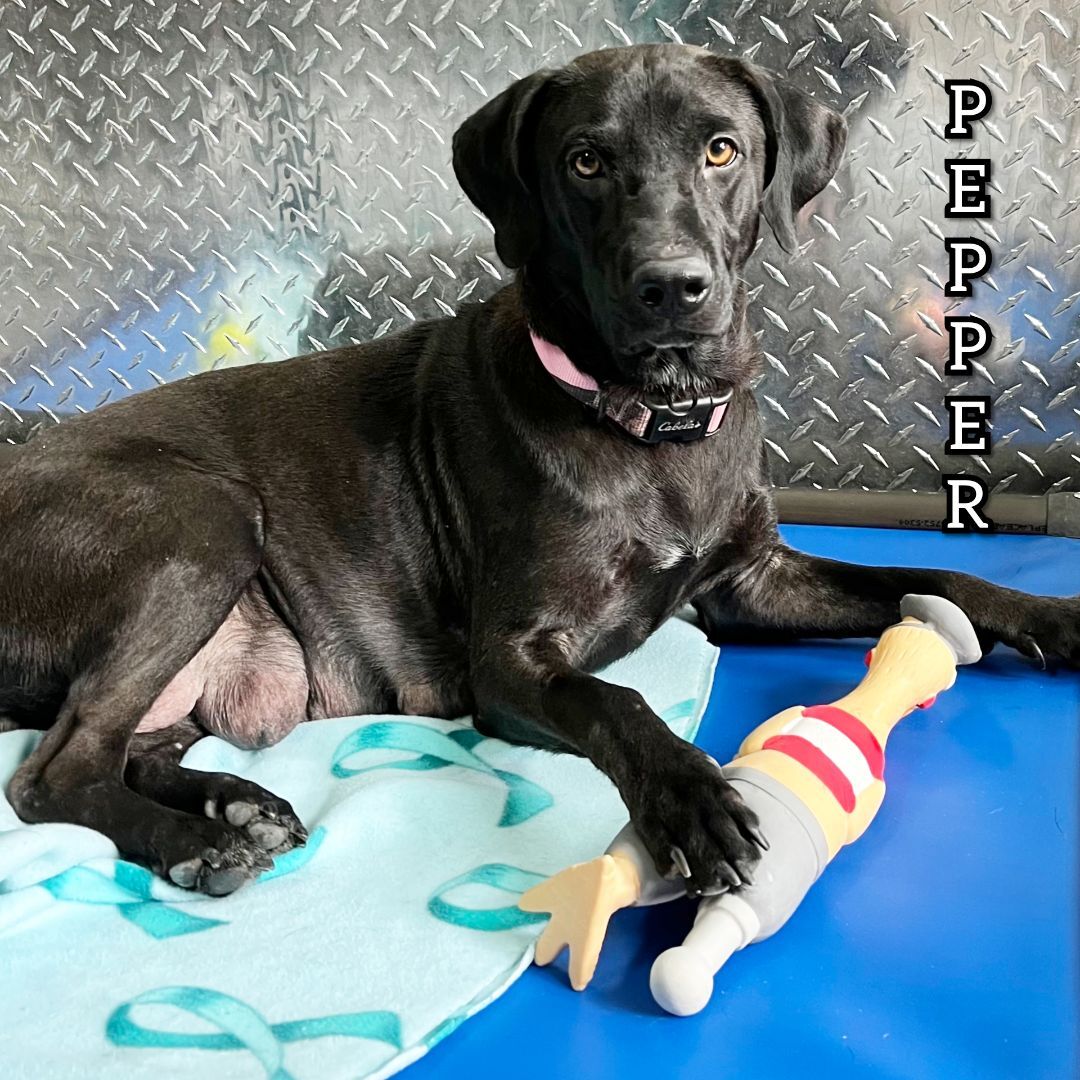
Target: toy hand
(581, 899)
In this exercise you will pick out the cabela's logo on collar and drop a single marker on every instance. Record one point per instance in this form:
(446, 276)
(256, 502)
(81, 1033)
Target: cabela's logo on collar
(679, 425)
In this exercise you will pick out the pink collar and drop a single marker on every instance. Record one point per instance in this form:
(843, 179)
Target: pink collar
(649, 420)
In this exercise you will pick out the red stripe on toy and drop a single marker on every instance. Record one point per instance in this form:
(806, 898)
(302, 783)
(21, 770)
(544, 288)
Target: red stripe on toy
(822, 766)
(856, 731)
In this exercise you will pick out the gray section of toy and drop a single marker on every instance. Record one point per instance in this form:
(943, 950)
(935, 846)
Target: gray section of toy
(948, 621)
(797, 854)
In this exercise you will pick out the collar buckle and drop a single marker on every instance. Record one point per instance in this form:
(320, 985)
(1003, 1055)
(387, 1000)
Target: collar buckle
(685, 421)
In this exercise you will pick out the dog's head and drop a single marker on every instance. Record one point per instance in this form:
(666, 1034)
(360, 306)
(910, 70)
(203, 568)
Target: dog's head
(634, 178)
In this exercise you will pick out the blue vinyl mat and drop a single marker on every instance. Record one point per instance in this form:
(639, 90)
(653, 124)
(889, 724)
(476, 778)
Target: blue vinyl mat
(943, 944)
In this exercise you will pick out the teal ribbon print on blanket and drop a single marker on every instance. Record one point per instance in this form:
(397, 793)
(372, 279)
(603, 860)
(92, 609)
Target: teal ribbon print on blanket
(437, 750)
(682, 710)
(130, 890)
(240, 1027)
(497, 876)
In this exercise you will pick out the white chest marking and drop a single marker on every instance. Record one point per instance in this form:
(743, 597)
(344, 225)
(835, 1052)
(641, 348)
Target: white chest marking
(676, 546)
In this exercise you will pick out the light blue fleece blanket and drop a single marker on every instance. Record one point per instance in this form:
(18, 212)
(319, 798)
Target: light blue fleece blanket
(355, 954)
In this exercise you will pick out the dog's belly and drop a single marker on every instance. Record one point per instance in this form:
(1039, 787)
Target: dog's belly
(252, 684)
(248, 683)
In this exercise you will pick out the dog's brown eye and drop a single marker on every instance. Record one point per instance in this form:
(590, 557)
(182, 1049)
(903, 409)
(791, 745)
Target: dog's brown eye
(586, 164)
(721, 152)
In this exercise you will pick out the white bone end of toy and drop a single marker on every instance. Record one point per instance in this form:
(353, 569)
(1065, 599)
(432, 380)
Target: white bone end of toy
(680, 981)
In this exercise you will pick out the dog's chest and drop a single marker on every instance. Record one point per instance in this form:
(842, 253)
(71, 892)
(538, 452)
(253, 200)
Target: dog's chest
(681, 526)
(636, 579)
(664, 544)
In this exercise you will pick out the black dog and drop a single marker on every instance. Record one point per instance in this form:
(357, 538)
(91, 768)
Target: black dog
(450, 526)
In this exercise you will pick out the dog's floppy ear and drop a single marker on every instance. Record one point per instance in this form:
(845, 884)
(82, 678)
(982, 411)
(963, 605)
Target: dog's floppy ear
(487, 163)
(804, 144)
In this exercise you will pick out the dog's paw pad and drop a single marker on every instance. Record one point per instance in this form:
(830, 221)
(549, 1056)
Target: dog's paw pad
(273, 826)
(268, 834)
(186, 873)
(219, 873)
(227, 879)
(241, 813)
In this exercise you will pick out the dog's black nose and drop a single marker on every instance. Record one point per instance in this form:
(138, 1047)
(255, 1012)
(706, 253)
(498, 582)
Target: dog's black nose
(672, 286)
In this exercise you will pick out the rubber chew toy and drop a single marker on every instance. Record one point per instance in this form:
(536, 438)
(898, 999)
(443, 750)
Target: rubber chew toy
(814, 778)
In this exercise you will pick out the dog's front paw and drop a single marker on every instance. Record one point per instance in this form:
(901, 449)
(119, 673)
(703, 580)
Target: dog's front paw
(693, 823)
(1048, 630)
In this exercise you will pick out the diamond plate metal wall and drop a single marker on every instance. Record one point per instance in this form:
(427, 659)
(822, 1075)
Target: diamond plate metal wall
(188, 184)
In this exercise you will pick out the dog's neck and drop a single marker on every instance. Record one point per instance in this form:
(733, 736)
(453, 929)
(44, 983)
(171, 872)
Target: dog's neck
(648, 419)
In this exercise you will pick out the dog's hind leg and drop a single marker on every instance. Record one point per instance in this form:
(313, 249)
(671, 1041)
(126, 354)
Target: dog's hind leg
(154, 769)
(181, 575)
